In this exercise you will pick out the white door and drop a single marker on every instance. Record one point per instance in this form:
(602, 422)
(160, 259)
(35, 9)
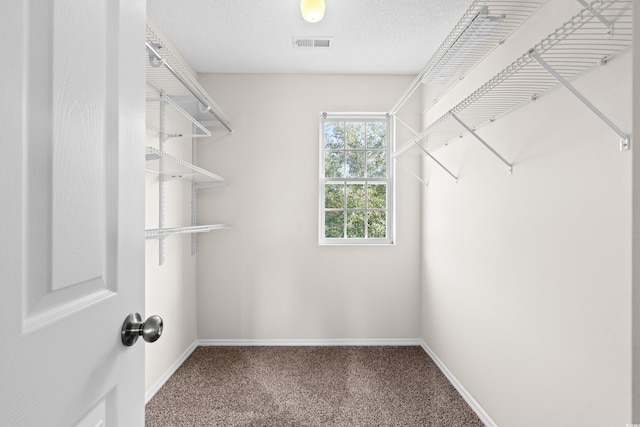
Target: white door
(71, 211)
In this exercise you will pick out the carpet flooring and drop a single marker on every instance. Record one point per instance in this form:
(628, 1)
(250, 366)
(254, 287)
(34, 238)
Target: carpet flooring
(309, 386)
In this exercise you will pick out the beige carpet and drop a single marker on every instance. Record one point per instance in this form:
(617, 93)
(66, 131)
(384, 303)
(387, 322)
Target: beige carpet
(309, 386)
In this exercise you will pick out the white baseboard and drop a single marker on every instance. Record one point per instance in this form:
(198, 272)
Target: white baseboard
(475, 406)
(312, 342)
(173, 368)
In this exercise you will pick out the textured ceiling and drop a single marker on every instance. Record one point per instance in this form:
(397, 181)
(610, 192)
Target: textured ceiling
(255, 36)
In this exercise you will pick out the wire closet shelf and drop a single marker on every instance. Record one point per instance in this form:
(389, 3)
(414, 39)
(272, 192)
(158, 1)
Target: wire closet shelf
(167, 75)
(485, 25)
(159, 233)
(601, 31)
(178, 169)
(174, 96)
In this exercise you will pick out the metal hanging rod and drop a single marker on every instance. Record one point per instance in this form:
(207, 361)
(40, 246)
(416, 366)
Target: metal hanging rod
(575, 48)
(485, 25)
(169, 62)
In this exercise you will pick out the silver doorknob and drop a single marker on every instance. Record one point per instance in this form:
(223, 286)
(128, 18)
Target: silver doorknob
(133, 327)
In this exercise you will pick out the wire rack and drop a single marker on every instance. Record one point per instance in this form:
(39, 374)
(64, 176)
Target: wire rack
(177, 168)
(601, 31)
(174, 98)
(171, 115)
(159, 233)
(165, 71)
(485, 25)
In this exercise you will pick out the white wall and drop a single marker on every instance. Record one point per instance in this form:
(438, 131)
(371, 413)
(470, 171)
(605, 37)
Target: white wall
(527, 278)
(170, 288)
(267, 277)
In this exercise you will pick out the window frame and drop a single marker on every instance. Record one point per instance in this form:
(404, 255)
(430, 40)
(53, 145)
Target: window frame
(389, 180)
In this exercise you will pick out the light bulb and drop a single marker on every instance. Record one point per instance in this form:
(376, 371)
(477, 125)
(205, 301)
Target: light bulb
(312, 10)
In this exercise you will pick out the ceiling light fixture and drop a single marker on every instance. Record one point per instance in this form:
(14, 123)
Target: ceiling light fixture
(312, 10)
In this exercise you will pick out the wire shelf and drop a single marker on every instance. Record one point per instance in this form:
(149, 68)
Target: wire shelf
(165, 71)
(575, 48)
(175, 168)
(159, 233)
(171, 115)
(485, 25)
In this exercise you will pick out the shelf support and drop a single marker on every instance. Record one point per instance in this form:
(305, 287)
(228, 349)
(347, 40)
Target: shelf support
(436, 160)
(417, 138)
(409, 128)
(476, 136)
(194, 194)
(410, 172)
(162, 138)
(598, 15)
(161, 233)
(625, 139)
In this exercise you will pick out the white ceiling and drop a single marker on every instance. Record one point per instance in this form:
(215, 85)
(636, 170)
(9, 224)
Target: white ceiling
(255, 36)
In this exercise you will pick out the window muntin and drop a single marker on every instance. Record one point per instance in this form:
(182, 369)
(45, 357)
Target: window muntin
(356, 179)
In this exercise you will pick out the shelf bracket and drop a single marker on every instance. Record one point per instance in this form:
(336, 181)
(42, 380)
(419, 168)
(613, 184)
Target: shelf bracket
(436, 160)
(415, 141)
(411, 172)
(598, 15)
(625, 139)
(162, 138)
(482, 141)
(194, 193)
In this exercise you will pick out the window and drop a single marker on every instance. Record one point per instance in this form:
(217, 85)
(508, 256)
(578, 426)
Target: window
(356, 179)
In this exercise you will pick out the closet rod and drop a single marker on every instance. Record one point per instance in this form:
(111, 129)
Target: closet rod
(188, 86)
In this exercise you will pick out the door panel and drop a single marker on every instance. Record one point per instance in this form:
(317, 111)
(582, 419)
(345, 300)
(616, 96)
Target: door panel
(72, 247)
(69, 253)
(79, 70)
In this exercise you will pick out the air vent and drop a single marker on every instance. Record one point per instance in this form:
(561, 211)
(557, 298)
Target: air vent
(308, 42)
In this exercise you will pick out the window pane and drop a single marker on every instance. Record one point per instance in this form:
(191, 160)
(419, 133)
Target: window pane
(355, 164)
(355, 224)
(377, 224)
(333, 135)
(355, 196)
(334, 164)
(334, 196)
(376, 164)
(334, 224)
(355, 135)
(356, 180)
(377, 196)
(376, 135)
